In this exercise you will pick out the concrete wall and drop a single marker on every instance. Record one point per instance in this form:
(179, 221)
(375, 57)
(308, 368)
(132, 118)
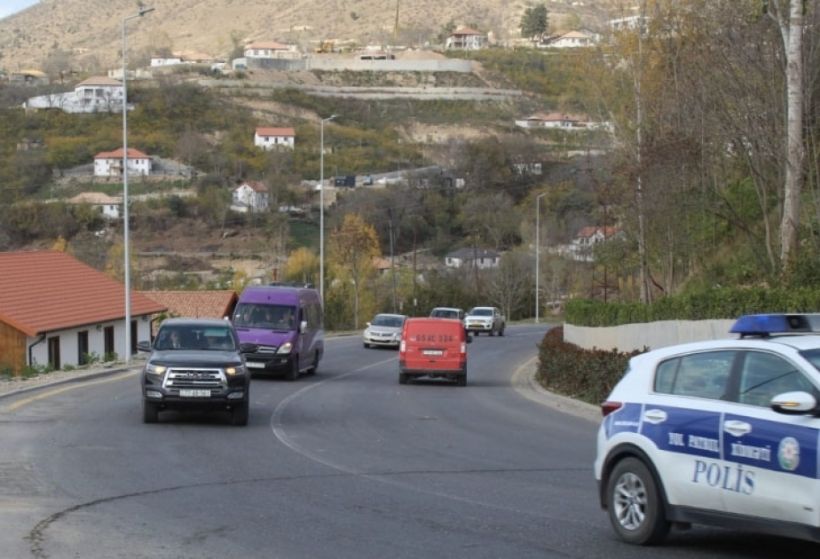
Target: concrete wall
(356, 65)
(630, 337)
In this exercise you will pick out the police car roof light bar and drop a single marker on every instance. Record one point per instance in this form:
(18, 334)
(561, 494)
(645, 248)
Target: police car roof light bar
(765, 325)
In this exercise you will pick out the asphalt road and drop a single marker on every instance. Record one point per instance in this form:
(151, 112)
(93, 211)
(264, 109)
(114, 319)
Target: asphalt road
(343, 464)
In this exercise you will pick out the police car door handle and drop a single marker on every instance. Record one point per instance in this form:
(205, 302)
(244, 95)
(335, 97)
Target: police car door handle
(737, 428)
(654, 416)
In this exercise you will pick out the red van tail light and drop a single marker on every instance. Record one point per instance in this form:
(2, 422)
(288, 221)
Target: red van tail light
(609, 406)
(402, 347)
(463, 348)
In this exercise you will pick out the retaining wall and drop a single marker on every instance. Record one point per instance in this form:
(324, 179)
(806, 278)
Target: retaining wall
(652, 335)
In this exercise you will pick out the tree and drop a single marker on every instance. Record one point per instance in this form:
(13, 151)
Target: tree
(353, 246)
(302, 266)
(534, 22)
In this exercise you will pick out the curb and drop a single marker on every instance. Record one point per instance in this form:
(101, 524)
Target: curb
(91, 375)
(524, 382)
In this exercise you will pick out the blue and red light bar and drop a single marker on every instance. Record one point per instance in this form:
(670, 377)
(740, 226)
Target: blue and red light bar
(769, 324)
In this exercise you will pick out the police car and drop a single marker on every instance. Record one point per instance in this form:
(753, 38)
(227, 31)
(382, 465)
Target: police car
(720, 432)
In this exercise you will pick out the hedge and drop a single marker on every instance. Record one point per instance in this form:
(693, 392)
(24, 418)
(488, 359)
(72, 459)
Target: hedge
(587, 375)
(712, 304)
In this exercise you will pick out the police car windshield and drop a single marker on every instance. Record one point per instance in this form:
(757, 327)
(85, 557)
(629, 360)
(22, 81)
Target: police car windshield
(813, 357)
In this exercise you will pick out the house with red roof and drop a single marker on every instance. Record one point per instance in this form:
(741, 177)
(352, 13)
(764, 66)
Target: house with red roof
(268, 137)
(57, 311)
(465, 38)
(271, 49)
(109, 163)
(250, 196)
(196, 304)
(582, 246)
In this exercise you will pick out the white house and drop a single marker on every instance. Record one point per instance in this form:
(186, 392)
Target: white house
(269, 138)
(271, 49)
(553, 120)
(628, 23)
(97, 94)
(186, 57)
(582, 246)
(250, 196)
(472, 257)
(173, 60)
(109, 163)
(574, 39)
(465, 38)
(109, 207)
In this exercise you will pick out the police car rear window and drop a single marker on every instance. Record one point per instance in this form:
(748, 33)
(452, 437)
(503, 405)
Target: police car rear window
(700, 375)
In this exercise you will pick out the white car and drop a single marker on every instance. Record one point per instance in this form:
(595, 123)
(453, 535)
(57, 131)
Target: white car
(720, 432)
(485, 319)
(384, 330)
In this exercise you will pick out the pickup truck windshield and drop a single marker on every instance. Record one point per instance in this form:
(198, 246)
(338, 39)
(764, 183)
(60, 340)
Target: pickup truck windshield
(195, 338)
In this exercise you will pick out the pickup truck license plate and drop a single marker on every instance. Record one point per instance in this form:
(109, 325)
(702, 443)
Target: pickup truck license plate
(194, 393)
(433, 352)
(255, 365)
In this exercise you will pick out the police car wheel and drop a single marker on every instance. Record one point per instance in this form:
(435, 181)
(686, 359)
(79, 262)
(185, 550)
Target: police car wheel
(635, 504)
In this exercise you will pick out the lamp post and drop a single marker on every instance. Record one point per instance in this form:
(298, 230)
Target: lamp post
(537, 252)
(322, 206)
(126, 242)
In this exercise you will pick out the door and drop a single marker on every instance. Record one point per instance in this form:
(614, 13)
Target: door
(108, 342)
(683, 420)
(82, 347)
(134, 335)
(773, 456)
(54, 352)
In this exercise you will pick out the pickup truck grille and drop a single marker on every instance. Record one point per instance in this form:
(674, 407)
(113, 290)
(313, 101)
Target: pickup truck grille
(195, 378)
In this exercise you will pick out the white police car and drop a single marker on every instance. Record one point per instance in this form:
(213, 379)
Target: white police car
(722, 432)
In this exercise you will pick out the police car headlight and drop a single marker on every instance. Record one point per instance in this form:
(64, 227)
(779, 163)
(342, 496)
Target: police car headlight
(152, 369)
(285, 348)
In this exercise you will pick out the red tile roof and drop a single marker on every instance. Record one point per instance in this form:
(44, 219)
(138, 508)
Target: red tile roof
(196, 304)
(256, 186)
(43, 291)
(269, 131)
(589, 231)
(100, 80)
(117, 154)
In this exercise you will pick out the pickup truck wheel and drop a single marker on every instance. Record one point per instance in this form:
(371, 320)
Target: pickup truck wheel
(239, 414)
(491, 332)
(150, 412)
(501, 332)
(293, 372)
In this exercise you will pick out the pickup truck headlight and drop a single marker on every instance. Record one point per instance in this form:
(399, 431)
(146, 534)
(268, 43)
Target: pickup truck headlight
(236, 370)
(285, 348)
(152, 369)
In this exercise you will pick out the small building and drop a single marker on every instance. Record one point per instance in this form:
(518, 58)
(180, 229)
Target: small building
(196, 304)
(553, 120)
(271, 49)
(108, 206)
(573, 39)
(269, 137)
(250, 196)
(29, 77)
(109, 163)
(472, 258)
(582, 246)
(465, 38)
(56, 311)
(96, 94)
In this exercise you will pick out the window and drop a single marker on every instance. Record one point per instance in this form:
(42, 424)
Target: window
(54, 352)
(765, 375)
(701, 375)
(82, 347)
(134, 335)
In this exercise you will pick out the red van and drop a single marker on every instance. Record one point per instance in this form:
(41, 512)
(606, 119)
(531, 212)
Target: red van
(433, 348)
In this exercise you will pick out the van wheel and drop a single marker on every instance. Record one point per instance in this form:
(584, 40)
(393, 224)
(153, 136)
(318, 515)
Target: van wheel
(293, 372)
(402, 378)
(150, 412)
(315, 366)
(462, 380)
(635, 504)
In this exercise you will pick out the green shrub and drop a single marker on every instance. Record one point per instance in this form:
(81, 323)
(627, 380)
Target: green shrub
(69, 367)
(587, 375)
(711, 304)
(110, 356)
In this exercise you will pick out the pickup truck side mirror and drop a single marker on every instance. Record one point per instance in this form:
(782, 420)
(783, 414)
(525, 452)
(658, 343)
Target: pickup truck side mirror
(246, 347)
(144, 346)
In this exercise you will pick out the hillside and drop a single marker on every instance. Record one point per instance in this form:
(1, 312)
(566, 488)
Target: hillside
(89, 31)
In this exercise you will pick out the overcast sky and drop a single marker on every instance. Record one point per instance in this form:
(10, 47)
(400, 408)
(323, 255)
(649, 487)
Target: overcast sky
(8, 7)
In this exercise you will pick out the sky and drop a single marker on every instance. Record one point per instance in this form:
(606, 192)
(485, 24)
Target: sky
(8, 7)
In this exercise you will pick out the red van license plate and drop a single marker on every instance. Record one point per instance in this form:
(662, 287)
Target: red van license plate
(432, 352)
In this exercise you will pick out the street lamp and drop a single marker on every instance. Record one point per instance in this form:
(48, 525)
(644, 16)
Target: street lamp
(537, 251)
(127, 264)
(322, 206)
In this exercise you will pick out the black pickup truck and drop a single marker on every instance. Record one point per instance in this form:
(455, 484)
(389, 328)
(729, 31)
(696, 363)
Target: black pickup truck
(196, 363)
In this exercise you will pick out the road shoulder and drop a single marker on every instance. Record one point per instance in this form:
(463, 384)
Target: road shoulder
(524, 382)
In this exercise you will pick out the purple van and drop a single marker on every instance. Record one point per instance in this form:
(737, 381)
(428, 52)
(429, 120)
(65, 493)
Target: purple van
(286, 325)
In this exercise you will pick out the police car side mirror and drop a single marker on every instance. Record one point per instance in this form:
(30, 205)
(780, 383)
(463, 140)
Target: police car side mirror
(794, 403)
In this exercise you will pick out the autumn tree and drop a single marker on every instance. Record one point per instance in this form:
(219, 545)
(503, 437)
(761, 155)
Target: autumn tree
(302, 266)
(353, 246)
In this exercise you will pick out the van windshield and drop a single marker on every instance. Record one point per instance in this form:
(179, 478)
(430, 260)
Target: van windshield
(268, 317)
